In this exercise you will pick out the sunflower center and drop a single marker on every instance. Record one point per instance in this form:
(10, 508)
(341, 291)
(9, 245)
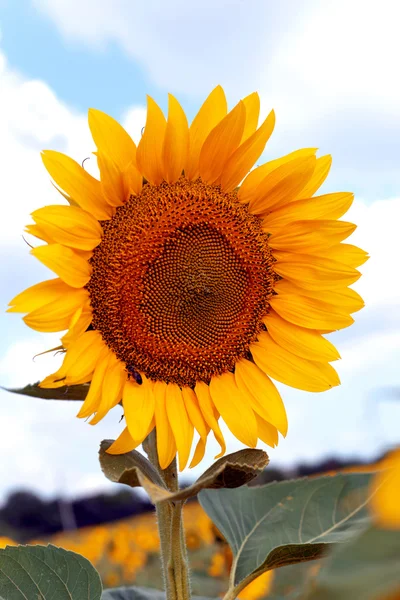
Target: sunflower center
(181, 281)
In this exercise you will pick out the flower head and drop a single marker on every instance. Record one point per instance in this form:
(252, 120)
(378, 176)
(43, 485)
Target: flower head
(185, 280)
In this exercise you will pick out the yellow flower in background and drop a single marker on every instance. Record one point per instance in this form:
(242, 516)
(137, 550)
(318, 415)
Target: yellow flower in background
(385, 501)
(5, 541)
(183, 293)
(258, 588)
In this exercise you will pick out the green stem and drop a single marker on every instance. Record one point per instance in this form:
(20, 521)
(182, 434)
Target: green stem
(170, 527)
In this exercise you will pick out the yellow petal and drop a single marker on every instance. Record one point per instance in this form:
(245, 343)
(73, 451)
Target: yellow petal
(65, 263)
(125, 443)
(113, 383)
(111, 138)
(241, 161)
(56, 380)
(93, 399)
(77, 183)
(138, 402)
(290, 369)
(345, 253)
(264, 397)
(72, 381)
(64, 195)
(53, 381)
(194, 412)
(77, 314)
(149, 151)
(310, 312)
(321, 172)
(344, 299)
(38, 295)
(221, 143)
(85, 254)
(176, 141)
(82, 355)
(314, 272)
(252, 106)
(282, 185)
(112, 181)
(79, 323)
(234, 408)
(249, 186)
(310, 236)
(38, 232)
(299, 340)
(166, 446)
(206, 406)
(56, 315)
(198, 454)
(329, 206)
(133, 181)
(69, 225)
(210, 114)
(196, 417)
(267, 432)
(180, 424)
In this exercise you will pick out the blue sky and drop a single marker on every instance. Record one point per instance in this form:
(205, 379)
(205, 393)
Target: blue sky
(331, 78)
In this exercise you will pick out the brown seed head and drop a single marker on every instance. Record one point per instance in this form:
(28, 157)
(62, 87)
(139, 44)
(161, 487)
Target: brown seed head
(181, 281)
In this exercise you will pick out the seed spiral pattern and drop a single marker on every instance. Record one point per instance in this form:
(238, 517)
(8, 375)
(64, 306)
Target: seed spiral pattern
(181, 281)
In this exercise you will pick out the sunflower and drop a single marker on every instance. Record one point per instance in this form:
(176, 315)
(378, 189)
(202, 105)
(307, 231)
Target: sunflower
(186, 280)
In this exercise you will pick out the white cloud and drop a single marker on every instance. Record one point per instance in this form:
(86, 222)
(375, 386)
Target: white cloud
(47, 448)
(355, 43)
(21, 358)
(377, 233)
(134, 120)
(328, 68)
(32, 118)
(183, 45)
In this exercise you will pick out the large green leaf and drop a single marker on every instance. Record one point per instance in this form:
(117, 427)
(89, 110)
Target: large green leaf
(46, 573)
(367, 567)
(66, 392)
(286, 522)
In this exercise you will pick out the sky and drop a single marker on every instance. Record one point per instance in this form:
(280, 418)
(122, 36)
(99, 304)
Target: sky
(329, 70)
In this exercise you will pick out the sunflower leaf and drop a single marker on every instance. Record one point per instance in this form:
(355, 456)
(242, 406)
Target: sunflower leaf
(286, 522)
(230, 471)
(66, 392)
(131, 468)
(46, 573)
(134, 470)
(367, 567)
